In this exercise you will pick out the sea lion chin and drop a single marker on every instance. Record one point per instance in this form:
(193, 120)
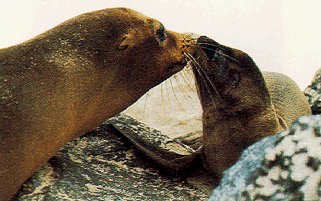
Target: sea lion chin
(67, 80)
(240, 103)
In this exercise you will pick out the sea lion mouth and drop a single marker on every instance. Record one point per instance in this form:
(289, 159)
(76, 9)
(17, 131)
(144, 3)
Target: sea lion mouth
(213, 73)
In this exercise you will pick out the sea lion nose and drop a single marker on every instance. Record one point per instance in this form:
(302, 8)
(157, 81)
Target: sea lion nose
(203, 39)
(211, 48)
(192, 35)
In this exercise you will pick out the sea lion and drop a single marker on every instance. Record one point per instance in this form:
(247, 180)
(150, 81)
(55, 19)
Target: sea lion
(240, 105)
(67, 80)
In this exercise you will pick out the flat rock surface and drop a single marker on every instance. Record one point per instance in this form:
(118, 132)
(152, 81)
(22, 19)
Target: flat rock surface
(102, 166)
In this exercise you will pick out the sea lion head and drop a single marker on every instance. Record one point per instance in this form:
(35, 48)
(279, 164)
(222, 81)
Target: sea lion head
(120, 51)
(123, 50)
(130, 44)
(226, 76)
(237, 108)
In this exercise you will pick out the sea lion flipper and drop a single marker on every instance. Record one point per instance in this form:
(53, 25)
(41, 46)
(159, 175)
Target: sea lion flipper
(170, 154)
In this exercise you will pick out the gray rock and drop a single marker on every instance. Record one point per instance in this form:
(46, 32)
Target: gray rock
(102, 166)
(237, 177)
(313, 93)
(281, 167)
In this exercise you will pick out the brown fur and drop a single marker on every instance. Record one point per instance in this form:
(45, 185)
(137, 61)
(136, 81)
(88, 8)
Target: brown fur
(249, 105)
(64, 82)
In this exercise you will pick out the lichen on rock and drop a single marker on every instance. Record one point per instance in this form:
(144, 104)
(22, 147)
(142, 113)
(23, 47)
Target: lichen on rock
(313, 93)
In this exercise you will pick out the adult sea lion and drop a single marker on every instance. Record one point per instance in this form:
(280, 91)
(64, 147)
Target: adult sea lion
(240, 105)
(67, 80)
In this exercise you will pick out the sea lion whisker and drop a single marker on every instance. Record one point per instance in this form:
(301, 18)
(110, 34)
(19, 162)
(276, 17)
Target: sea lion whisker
(190, 36)
(170, 80)
(228, 90)
(145, 103)
(206, 86)
(168, 95)
(221, 53)
(162, 97)
(231, 58)
(188, 67)
(211, 83)
(183, 74)
(180, 87)
(204, 80)
(206, 76)
(187, 36)
(209, 44)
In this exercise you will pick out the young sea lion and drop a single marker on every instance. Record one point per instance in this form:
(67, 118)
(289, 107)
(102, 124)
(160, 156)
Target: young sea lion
(67, 80)
(240, 105)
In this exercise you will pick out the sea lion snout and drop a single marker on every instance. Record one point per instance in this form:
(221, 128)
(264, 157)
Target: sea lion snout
(216, 73)
(209, 46)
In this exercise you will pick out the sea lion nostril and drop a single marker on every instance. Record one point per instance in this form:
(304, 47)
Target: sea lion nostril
(203, 39)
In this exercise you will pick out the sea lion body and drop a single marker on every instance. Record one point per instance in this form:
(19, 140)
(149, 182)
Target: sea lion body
(66, 81)
(240, 104)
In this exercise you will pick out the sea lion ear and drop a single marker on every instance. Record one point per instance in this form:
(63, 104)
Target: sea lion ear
(127, 40)
(124, 43)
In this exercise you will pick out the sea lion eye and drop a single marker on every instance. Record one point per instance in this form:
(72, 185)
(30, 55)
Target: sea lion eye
(160, 34)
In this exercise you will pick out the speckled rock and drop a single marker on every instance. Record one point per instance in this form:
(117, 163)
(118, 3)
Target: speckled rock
(102, 166)
(238, 176)
(282, 167)
(292, 170)
(313, 93)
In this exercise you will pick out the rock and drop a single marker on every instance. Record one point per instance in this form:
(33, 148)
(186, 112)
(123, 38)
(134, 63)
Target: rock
(281, 167)
(236, 177)
(313, 93)
(170, 155)
(102, 166)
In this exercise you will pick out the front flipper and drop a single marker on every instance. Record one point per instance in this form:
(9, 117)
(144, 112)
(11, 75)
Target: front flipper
(170, 154)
